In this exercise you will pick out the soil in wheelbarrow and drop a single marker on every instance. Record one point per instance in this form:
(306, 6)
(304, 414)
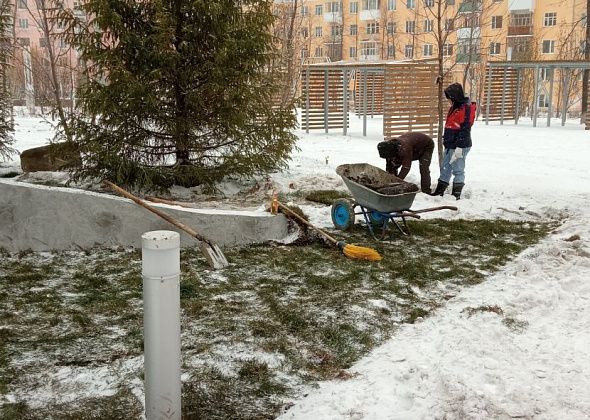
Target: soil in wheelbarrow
(377, 184)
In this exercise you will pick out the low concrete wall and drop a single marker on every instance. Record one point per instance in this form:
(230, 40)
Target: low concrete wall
(52, 218)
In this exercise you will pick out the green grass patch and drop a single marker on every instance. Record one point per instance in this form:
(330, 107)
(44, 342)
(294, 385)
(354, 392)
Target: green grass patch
(277, 318)
(326, 197)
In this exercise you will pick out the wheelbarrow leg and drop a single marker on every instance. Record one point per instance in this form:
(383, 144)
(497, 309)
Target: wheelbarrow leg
(368, 222)
(398, 226)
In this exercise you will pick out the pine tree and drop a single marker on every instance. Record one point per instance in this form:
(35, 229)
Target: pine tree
(178, 91)
(6, 120)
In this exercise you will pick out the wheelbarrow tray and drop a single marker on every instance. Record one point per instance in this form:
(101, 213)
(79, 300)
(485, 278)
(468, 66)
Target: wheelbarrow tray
(369, 198)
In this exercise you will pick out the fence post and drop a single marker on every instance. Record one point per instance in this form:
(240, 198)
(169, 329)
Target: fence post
(160, 256)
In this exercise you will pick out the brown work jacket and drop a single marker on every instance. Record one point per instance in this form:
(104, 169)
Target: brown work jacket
(414, 146)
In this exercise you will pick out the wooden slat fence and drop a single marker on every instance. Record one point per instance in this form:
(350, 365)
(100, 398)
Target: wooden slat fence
(500, 84)
(323, 114)
(410, 99)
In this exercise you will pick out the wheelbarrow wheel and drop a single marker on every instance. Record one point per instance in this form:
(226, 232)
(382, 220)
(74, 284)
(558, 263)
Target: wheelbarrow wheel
(342, 214)
(376, 218)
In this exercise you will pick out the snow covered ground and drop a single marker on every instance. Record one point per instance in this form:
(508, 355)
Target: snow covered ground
(530, 361)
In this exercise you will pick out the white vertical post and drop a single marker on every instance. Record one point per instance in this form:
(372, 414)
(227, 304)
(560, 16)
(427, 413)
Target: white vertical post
(160, 256)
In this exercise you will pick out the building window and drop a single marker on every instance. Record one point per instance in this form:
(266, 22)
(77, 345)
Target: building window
(447, 50)
(354, 29)
(391, 27)
(354, 7)
(543, 102)
(410, 26)
(391, 51)
(449, 25)
(336, 30)
(370, 4)
(333, 7)
(22, 4)
(471, 21)
(319, 51)
(550, 19)
(427, 50)
(494, 48)
(496, 22)
(544, 74)
(43, 42)
(304, 11)
(304, 53)
(372, 28)
(450, 2)
(409, 51)
(369, 48)
(304, 33)
(521, 19)
(584, 20)
(352, 52)
(390, 4)
(428, 25)
(548, 46)
(23, 23)
(411, 4)
(319, 10)
(318, 31)
(429, 3)
(24, 42)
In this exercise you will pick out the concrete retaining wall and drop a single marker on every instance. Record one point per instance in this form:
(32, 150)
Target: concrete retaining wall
(44, 218)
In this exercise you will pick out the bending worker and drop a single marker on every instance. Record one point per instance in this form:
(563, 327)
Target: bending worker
(400, 152)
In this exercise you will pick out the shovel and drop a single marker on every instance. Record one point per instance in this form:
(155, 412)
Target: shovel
(211, 251)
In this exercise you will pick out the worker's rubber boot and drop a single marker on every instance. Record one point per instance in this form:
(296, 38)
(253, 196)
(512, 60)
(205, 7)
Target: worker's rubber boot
(457, 188)
(440, 188)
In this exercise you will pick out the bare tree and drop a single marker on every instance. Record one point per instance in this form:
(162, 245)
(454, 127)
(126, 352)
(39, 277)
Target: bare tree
(6, 116)
(586, 76)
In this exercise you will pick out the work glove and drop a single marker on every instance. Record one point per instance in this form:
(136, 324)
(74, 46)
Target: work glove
(457, 154)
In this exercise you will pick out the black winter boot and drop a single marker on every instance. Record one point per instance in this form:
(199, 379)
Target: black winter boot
(440, 188)
(457, 188)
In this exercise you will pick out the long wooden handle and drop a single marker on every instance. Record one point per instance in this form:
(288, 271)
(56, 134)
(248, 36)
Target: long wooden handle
(169, 202)
(163, 215)
(305, 222)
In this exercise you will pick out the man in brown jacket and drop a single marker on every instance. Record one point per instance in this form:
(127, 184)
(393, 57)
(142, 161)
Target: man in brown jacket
(400, 152)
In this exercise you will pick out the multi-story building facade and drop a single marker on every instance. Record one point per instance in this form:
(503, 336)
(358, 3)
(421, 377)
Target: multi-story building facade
(471, 33)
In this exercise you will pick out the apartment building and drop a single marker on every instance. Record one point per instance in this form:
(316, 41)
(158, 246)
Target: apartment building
(472, 31)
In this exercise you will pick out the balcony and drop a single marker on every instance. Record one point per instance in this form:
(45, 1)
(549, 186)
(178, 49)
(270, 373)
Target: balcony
(520, 30)
(370, 14)
(468, 33)
(470, 6)
(521, 5)
(463, 58)
(333, 17)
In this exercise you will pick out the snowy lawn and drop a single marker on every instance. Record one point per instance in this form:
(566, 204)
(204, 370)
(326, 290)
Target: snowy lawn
(401, 339)
(276, 321)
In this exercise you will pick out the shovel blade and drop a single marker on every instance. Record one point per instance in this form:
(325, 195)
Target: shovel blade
(213, 255)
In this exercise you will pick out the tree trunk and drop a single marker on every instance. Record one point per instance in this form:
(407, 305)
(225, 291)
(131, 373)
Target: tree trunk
(440, 81)
(586, 76)
(53, 70)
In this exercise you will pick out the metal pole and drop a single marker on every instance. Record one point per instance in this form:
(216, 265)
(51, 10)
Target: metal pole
(550, 108)
(365, 103)
(307, 100)
(566, 83)
(536, 96)
(503, 96)
(326, 86)
(345, 101)
(488, 93)
(517, 110)
(160, 257)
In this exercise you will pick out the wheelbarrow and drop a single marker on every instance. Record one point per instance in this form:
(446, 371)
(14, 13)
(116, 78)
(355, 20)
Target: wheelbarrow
(380, 197)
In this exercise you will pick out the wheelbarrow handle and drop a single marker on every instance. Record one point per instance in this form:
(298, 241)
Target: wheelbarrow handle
(434, 209)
